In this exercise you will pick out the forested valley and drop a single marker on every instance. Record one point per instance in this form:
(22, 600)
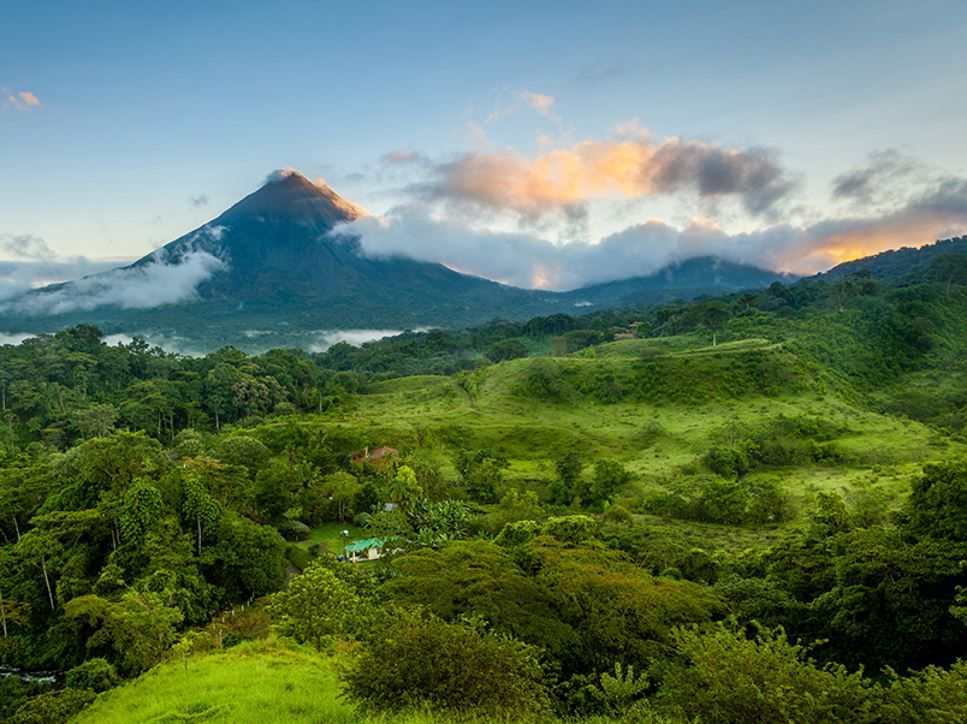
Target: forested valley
(744, 508)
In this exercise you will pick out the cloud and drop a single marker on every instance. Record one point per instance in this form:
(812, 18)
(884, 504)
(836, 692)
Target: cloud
(29, 99)
(541, 103)
(508, 103)
(159, 279)
(526, 260)
(754, 175)
(18, 100)
(135, 287)
(403, 157)
(200, 200)
(877, 180)
(25, 246)
(565, 179)
(934, 213)
(17, 277)
(280, 174)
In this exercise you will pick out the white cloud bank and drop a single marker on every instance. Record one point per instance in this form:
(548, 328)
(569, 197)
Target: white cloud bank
(138, 287)
(163, 278)
(523, 259)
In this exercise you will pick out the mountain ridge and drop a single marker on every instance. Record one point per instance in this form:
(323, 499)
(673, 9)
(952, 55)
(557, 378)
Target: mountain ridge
(272, 265)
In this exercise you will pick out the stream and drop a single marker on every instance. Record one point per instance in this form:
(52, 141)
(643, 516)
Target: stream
(32, 677)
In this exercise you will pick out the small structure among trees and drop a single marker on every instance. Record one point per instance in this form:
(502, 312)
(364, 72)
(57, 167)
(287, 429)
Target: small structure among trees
(379, 456)
(367, 549)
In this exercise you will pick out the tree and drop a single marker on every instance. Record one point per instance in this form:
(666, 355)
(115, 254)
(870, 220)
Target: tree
(138, 628)
(200, 508)
(953, 270)
(609, 478)
(141, 510)
(403, 488)
(482, 473)
(506, 349)
(95, 420)
(278, 488)
(218, 394)
(714, 315)
(242, 450)
(318, 606)
(938, 501)
(340, 489)
(569, 469)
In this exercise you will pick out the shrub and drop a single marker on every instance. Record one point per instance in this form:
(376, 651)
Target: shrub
(94, 674)
(518, 532)
(930, 695)
(571, 529)
(294, 530)
(460, 668)
(729, 462)
(53, 707)
(725, 677)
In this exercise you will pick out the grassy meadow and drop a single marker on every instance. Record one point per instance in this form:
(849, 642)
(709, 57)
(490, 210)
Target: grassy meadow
(656, 406)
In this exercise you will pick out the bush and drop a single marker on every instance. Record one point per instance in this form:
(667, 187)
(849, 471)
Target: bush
(294, 530)
(571, 529)
(94, 674)
(54, 707)
(729, 462)
(518, 532)
(458, 668)
(931, 695)
(717, 500)
(725, 677)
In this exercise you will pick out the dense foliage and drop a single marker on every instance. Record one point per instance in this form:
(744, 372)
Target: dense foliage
(155, 506)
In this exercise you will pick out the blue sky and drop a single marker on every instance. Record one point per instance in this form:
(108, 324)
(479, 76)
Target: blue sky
(146, 120)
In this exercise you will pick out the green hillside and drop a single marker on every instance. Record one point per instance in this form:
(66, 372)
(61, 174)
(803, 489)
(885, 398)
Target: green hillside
(655, 405)
(662, 514)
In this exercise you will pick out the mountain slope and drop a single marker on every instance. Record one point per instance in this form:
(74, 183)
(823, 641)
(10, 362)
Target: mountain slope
(684, 280)
(275, 269)
(897, 263)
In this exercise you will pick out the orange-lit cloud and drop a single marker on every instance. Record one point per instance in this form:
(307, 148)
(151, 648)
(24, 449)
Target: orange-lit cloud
(934, 214)
(526, 260)
(28, 98)
(20, 100)
(541, 103)
(564, 179)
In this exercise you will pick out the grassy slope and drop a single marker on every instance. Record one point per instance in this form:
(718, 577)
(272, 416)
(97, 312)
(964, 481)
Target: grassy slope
(676, 397)
(254, 682)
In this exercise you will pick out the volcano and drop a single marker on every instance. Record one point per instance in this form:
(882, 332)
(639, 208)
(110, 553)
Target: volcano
(279, 248)
(279, 267)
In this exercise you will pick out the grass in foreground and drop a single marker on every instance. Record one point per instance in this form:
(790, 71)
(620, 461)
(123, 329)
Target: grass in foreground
(254, 682)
